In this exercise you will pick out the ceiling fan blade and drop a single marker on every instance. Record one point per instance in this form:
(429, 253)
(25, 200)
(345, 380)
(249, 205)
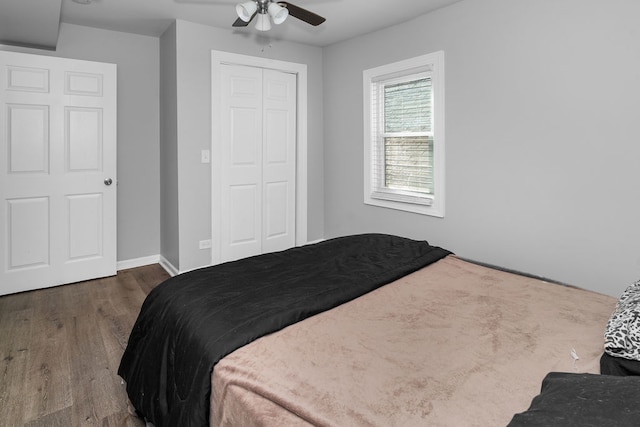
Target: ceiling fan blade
(240, 23)
(302, 14)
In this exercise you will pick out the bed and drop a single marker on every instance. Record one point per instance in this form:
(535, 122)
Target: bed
(361, 330)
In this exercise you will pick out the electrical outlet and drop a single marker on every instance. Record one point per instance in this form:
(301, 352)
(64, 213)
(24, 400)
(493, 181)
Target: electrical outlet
(205, 244)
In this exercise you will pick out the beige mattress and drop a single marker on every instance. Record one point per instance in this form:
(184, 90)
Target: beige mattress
(453, 344)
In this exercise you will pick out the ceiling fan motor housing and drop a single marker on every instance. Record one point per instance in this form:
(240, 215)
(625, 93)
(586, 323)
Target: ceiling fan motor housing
(263, 6)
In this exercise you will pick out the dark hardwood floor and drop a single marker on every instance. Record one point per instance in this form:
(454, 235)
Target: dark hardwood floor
(60, 349)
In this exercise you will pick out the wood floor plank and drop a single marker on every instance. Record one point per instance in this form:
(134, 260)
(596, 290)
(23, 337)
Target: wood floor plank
(48, 371)
(125, 295)
(15, 332)
(60, 349)
(117, 304)
(15, 302)
(48, 378)
(61, 418)
(122, 419)
(150, 276)
(115, 330)
(96, 388)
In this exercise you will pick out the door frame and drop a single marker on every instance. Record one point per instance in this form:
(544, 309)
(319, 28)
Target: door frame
(218, 59)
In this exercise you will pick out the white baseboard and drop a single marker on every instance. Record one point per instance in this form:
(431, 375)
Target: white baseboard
(169, 268)
(148, 260)
(316, 241)
(138, 262)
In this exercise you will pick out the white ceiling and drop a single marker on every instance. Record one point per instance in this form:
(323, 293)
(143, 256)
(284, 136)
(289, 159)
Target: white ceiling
(345, 18)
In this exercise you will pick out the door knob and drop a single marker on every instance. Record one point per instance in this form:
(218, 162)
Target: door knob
(108, 181)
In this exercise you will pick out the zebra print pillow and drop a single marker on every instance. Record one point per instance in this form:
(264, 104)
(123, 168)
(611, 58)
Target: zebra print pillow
(622, 334)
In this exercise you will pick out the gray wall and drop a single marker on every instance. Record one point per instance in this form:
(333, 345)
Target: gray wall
(169, 229)
(542, 108)
(193, 45)
(138, 127)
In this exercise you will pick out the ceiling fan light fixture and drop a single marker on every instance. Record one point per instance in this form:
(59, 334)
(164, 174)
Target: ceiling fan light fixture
(266, 10)
(246, 10)
(263, 23)
(278, 13)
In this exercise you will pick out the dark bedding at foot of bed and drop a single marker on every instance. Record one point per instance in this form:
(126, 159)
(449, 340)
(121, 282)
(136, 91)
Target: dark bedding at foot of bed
(188, 323)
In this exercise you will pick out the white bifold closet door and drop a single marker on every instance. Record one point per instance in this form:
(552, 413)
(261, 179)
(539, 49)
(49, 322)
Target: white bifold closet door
(57, 171)
(258, 161)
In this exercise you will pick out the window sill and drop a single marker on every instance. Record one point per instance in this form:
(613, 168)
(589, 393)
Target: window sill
(431, 210)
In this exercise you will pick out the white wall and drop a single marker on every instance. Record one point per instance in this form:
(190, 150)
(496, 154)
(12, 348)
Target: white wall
(542, 109)
(193, 45)
(138, 127)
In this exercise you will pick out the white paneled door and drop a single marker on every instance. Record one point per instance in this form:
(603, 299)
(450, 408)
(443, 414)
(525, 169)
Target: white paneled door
(57, 171)
(258, 161)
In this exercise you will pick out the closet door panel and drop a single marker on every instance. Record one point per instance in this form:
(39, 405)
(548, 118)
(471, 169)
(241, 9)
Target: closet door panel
(241, 163)
(279, 167)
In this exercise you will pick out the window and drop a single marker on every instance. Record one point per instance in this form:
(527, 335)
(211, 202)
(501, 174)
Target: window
(404, 135)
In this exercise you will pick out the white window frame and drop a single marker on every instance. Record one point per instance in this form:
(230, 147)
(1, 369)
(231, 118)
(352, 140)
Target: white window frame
(375, 194)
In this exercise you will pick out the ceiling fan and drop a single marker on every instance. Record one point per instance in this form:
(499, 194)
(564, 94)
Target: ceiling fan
(277, 10)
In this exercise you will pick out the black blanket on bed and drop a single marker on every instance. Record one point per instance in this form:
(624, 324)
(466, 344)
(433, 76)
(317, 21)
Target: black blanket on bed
(583, 400)
(189, 322)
